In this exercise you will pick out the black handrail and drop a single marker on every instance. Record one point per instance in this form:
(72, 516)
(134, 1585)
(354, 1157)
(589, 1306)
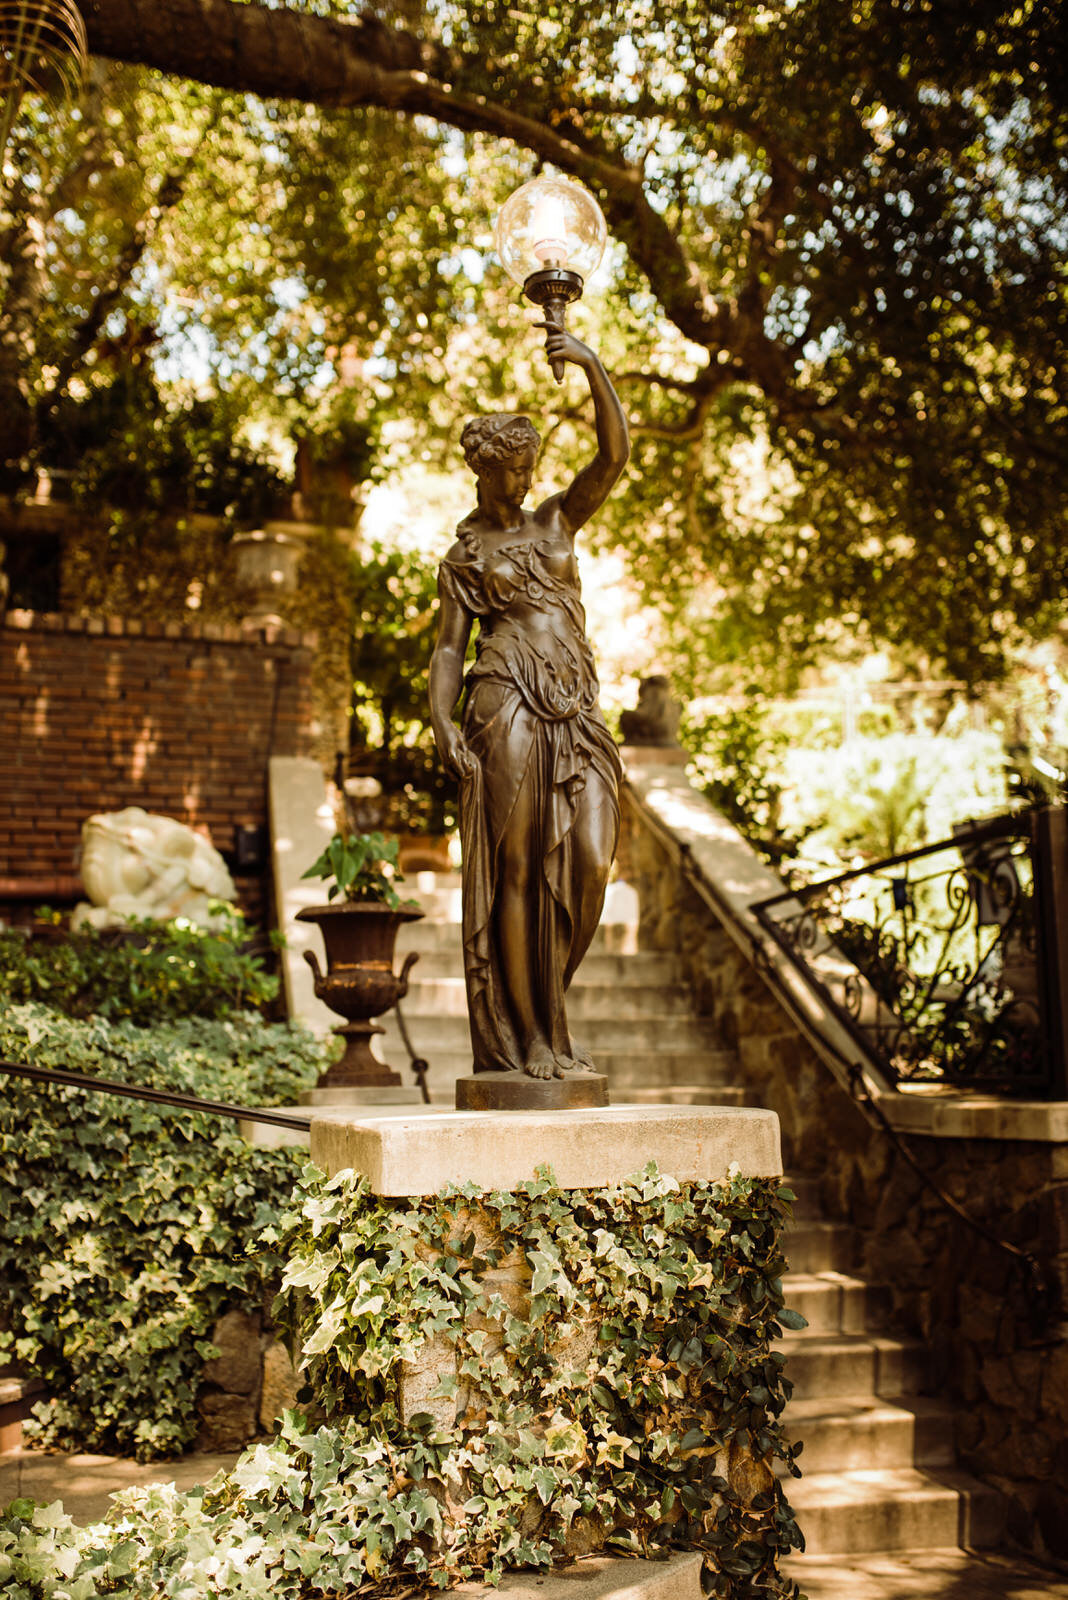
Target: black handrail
(163, 1097)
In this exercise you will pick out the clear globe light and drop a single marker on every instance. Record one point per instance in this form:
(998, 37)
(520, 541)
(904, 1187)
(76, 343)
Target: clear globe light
(550, 222)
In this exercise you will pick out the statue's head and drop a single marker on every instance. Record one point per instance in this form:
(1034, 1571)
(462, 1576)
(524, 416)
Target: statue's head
(487, 441)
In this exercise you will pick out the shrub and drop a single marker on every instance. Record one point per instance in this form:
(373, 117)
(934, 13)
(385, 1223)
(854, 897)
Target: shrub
(826, 806)
(148, 973)
(665, 1439)
(125, 1227)
(738, 757)
(871, 798)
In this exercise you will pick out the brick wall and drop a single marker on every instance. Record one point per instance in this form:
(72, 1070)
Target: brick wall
(99, 714)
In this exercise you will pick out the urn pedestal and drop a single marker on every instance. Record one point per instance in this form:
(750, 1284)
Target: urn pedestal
(359, 984)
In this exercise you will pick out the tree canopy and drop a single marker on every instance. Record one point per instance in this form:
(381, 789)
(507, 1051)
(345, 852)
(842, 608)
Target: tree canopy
(838, 313)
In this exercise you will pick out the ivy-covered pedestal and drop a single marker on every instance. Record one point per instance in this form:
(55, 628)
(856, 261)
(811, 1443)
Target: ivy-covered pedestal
(559, 1326)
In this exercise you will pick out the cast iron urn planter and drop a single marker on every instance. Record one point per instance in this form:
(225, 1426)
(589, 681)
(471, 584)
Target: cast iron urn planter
(359, 983)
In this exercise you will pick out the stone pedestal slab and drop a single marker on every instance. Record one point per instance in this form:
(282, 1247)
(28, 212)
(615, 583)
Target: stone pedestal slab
(590, 1149)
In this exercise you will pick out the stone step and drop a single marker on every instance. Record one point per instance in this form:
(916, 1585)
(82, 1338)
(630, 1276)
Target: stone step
(628, 1071)
(904, 1509)
(815, 1246)
(642, 967)
(821, 1365)
(853, 1433)
(18, 1396)
(682, 1094)
(611, 938)
(953, 1574)
(447, 997)
(450, 1034)
(652, 1068)
(807, 1207)
(833, 1302)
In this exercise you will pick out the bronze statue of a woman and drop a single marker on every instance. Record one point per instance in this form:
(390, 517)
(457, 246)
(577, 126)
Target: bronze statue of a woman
(539, 772)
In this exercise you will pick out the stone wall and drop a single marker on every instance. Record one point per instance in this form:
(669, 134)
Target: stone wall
(247, 1386)
(100, 714)
(997, 1343)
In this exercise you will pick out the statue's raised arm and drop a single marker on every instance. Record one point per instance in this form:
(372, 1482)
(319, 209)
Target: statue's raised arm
(591, 486)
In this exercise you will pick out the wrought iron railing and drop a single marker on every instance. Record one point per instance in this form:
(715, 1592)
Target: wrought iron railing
(948, 964)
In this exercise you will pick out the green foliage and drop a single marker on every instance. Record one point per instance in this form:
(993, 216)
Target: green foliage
(125, 1227)
(148, 973)
(871, 798)
(394, 622)
(633, 1395)
(659, 1432)
(127, 446)
(363, 867)
(739, 757)
(838, 296)
(811, 803)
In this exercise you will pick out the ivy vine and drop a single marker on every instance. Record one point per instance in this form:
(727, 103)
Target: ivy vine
(124, 1227)
(605, 1380)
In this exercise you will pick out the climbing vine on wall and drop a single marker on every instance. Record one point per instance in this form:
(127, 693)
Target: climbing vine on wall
(124, 1227)
(606, 1381)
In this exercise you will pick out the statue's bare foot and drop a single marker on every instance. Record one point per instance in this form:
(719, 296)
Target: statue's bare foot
(541, 1063)
(583, 1061)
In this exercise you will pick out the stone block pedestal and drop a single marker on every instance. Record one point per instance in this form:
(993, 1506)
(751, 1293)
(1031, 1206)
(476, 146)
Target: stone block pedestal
(594, 1148)
(406, 1159)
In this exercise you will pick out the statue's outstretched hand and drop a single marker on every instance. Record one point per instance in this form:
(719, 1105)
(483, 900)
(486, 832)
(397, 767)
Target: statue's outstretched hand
(563, 346)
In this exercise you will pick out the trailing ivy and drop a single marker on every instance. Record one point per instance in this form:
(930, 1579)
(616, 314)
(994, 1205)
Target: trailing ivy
(125, 1227)
(147, 973)
(610, 1384)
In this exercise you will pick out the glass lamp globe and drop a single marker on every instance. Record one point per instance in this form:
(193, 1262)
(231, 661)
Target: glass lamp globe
(550, 224)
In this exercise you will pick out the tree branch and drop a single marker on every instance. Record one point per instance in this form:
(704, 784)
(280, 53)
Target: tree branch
(281, 54)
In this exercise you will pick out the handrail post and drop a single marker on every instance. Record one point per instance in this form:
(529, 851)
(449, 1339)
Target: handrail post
(1049, 854)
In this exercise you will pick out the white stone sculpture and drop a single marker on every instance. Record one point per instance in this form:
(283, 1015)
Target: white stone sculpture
(135, 865)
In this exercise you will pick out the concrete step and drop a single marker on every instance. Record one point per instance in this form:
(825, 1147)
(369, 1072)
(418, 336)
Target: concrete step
(821, 1365)
(807, 1207)
(815, 1246)
(905, 1509)
(682, 1094)
(629, 1072)
(447, 997)
(929, 1575)
(431, 934)
(450, 1034)
(834, 1302)
(852, 1433)
(633, 1069)
(18, 1396)
(643, 967)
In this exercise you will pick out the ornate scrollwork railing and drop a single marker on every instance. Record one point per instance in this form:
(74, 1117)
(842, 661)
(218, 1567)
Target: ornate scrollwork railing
(935, 959)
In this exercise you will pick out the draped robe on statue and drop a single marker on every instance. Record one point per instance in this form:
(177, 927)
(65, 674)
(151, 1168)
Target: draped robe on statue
(532, 720)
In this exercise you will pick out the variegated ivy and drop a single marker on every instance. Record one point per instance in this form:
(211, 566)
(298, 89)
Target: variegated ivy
(625, 1396)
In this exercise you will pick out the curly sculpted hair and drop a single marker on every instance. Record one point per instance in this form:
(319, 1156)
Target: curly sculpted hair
(486, 440)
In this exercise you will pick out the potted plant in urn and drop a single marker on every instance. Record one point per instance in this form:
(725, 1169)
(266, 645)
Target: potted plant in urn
(359, 933)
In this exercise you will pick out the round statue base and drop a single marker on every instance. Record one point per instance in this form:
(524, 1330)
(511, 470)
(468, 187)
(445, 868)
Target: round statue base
(515, 1091)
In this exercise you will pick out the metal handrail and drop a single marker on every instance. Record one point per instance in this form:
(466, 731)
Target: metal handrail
(164, 1097)
(953, 990)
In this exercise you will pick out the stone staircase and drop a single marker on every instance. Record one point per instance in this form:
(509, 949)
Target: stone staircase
(629, 1008)
(878, 1460)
